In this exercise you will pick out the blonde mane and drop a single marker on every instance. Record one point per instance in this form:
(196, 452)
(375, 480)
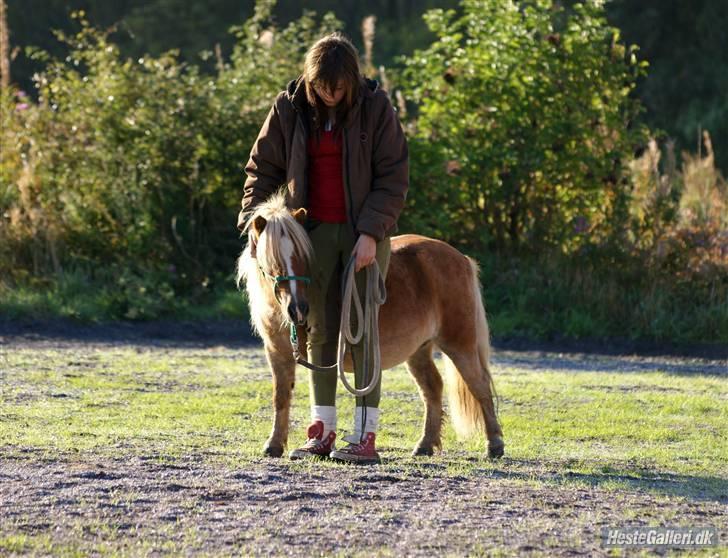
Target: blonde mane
(279, 224)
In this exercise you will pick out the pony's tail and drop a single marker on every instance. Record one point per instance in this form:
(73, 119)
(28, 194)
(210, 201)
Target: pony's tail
(468, 414)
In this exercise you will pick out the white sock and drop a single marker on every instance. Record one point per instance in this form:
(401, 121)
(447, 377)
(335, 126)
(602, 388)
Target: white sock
(327, 415)
(371, 424)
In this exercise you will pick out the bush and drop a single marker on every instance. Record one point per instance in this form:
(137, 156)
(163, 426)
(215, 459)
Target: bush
(139, 163)
(523, 125)
(119, 188)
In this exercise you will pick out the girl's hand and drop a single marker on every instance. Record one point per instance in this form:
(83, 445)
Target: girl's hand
(365, 251)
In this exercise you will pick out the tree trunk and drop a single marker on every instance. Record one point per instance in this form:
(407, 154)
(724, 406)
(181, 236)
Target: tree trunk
(4, 47)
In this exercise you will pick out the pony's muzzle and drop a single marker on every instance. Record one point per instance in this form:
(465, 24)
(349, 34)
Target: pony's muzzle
(297, 311)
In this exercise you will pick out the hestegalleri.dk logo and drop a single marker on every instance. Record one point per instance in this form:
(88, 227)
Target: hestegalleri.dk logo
(676, 537)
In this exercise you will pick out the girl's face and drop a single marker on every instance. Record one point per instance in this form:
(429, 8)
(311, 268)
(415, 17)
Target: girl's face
(331, 98)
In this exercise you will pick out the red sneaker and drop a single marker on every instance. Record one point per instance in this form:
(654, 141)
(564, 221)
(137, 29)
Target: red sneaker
(361, 452)
(316, 445)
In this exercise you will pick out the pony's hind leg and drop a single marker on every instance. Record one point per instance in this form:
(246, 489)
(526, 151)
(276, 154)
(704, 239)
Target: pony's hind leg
(429, 381)
(478, 386)
(283, 368)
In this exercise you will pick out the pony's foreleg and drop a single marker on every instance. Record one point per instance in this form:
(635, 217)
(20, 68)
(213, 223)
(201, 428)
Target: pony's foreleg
(283, 368)
(429, 381)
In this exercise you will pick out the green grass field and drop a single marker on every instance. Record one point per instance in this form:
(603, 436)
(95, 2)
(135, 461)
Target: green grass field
(662, 433)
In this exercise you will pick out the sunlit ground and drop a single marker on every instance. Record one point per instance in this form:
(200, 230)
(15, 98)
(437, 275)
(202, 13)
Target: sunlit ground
(651, 430)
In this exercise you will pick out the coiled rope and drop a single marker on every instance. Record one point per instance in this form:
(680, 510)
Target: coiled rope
(367, 321)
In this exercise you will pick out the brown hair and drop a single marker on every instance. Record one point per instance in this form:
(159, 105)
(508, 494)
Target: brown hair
(331, 59)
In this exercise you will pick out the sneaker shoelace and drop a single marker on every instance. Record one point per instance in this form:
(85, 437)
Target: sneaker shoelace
(354, 444)
(313, 443)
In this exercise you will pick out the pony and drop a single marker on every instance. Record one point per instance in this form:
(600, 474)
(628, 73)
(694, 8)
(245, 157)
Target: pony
(433, 302)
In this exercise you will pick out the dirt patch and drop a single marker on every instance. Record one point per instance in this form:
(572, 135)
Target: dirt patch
(273, 507)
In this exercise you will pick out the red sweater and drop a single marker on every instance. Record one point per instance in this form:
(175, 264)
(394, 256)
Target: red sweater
(326, 200)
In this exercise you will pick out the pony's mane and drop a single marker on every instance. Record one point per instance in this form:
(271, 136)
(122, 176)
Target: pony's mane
(279, 223)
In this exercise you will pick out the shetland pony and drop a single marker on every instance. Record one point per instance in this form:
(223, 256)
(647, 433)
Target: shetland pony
(433, 301)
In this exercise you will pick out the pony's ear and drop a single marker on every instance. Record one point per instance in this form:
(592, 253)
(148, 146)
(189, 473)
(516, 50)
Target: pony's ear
(300, 215)
(258, 225)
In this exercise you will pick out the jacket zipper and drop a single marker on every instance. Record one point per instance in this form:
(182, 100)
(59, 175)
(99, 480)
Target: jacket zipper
(346, 180)
(305, 158)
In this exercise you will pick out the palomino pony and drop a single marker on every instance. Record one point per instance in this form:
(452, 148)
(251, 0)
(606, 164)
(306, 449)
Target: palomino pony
(433, 300)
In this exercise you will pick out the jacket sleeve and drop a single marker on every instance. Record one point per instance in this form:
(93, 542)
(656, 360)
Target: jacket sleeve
(390, 175)
(266, 168)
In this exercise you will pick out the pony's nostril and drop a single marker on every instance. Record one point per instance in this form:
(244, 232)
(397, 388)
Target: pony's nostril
(303, 308)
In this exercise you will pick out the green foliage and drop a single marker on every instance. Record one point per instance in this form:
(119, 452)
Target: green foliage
(139, 162)
(120, 293)
(525, 121)
(152, 27)
(119, 188)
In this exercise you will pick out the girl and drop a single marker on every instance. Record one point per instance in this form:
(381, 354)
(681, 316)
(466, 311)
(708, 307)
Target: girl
(333, 137)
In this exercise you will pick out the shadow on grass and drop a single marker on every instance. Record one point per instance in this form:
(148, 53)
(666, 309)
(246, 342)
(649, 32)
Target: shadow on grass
(697, 488)
(167, 333)
(600, 356)
(611, 346)
(588, 363)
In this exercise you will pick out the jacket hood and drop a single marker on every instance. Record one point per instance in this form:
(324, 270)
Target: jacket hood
(296, 91)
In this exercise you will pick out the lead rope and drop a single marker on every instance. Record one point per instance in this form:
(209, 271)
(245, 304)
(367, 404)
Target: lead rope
(367, 321)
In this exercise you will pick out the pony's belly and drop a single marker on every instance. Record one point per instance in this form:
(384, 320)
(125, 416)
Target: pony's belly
(396, 345)
(399, 345)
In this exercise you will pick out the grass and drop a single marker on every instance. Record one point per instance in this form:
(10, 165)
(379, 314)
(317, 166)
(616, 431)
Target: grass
(626, 434)
(217, 401)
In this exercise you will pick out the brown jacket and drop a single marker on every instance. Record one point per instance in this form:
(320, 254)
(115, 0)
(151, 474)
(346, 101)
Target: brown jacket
(376, 167)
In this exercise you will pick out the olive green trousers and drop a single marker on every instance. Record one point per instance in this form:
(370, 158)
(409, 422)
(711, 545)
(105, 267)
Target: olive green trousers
(333, 244)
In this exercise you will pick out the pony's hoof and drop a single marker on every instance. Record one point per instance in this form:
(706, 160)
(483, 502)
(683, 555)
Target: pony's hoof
(273, 451)
(420, 451)
(496, 451)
